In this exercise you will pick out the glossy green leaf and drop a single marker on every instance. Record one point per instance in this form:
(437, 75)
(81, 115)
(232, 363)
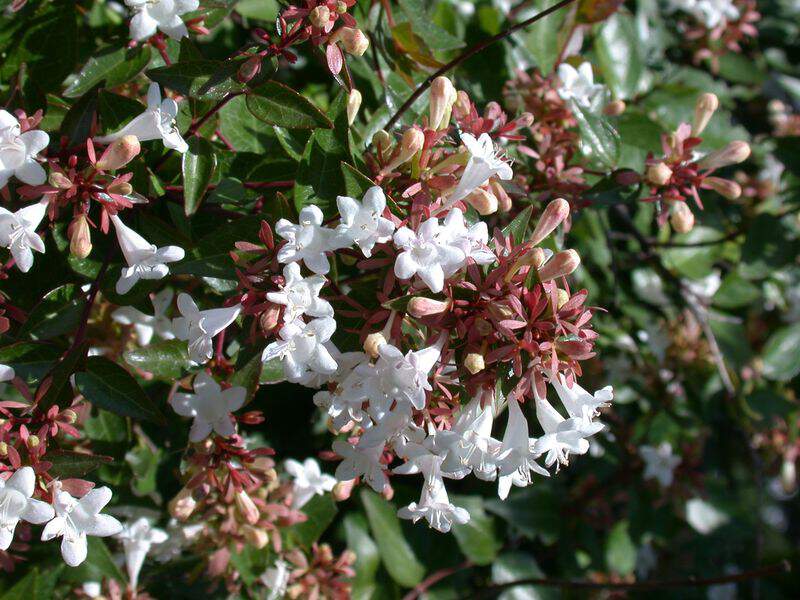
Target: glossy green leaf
(620, 550)
(280, 105)
(201, 79)
(780, 354)
(67, 463)
(198, 166)
(112, 67)
(368, 558)
(165, 360)
(599, 140)
(478, 537)
(320, 511)
(59, 312)
(621, 55)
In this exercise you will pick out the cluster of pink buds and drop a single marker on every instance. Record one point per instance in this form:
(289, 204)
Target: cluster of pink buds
(713, 39)
(324, 575)
(680, 172)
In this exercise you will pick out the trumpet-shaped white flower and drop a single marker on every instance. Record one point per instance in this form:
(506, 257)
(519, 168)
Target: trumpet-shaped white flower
(483, 164)
(146, 326)
(361, 461)
(518, 457)
(472, 241)
(145, 260)
(16, 504)
(470, 445)
(162, 15)
(6, 373)
(199, 327)
(307, 241)
(18, 233)
(561, 438)
(398, 377)
(362, 223)
(137, 539)
(302, 348)
(210, 406)
(582, 405)
(578, 84)
(300, 295)
(75, 519)
(309, 481)
(157, 122)
(276, 579)
(659, 463)
(18, 152)
(427, 254)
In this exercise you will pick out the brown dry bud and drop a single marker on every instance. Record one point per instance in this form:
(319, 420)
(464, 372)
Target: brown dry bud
(615, 108)
(373, 342)
(560, 265)
(119, 153)
(658, 174)
(552, 216)
(681, 217)
(704, 109)
(474, 363)
(724, 187)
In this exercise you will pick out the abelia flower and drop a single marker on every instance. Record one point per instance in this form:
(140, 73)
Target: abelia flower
(307, 241)
(18, 233)
(400, 377)
(470, 445)
(199, 327)
(302, 347)
(309, 481)
(472, 241)
(484, 163)
(137, 539)
(426, 254)
(210, 406)
(300, 295)
(159, 15)
(361, 461)
(75, 519)
(145, 260)
(578, 84)
(659, 463)
(276, 578)
(18, 152)
(518, 457)
(362, 223)
(146, 326)
(157, 122)
(581, 404)
(16, 504)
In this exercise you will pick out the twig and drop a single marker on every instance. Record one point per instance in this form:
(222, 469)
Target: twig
(80, 333)
(435, 578)
(469, 53)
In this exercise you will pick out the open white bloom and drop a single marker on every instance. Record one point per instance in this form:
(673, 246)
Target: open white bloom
(308, 481)
(518, 456)
(470, 445)
(137, 539)
(427, 254)
(302, 348)
(93, 589)
(276, 579)
(434, 504)
(16, 504)
(75, 519)
(399, 377)
(362, 223)
(472, 241)
(200, 326)
(710, 13)
(581, 404)
(157, 122)
(561, 438)
(210, 405)
(307, 241)
(144, 325)
(300, 295)
(659, 462)
(578, 84)
(18, 233)
(483, 164)
(361, 461)
(18, 152)
(145, 260)
(161, 15)
(703, 516)
(6, 373)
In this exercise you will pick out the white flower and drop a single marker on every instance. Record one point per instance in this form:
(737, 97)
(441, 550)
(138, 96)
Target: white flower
(18, 233)
(660, 463)
(483, 164)
(561, 438)
(6, 373)
(137, 539)
(18, 152)
(93, 589)
(704, 517)
(276, 579)
(163, 15)
(16, 504)
(210, 405)
(581, 404)
(398, 377)
(307, 241)
(144, 325)
(470, 445)
(302, 348)
(157, 122)
(200, 326)
(300, 295)
(145, 260)
(710, 13)
(472, 241)
(578, 84)
(75, 519)
(427, 254)
(518, 456)
(308, 480)
(362, 223)
(361, 461)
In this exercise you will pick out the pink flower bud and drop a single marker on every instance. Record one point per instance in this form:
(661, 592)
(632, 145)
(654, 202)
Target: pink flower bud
(615, 108)
(658, 174)
(80, 237)
(353, 104)
(269, 319)
(552, 216)
(320, 16)
(524, 120)
(343, 490)
(249, 69)
(704, 109)
(412, 141)
(426, 307)
(246, 507)
(560, 265)
(462, 106)
(732, 154)
(255, 536)
(119, 153)
(504, 203)
(724, 187)
(373, 342)
(182, 506)
(484, 201)
(681, 217)
(59, 180)
(474, 363)
(442, 96)
(121, 188)
(353, 40)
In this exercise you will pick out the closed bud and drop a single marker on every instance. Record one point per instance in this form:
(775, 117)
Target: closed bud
(426, 307)
(442, 96)
(560, 265)
(724, 187)
(353, 104)
(704, 109)
(615, 108)
(246, 507)
(474, 363)
(524, 120)
(59, 180)
(658, 174)
(3, 449)
(484, 201)
(255, 536)
(373, 342)
(504, 203)
(270, 318)
(732, 154)
(182, 506)
(483, 326)
(80, 237)
(33, 441)
(412, 141)
(341, 7)
(121, 188)
(382, 140)
(681, 217)
(320, 16)
(789, 476)
(353, 40)
(69, 416)
(462, 106)
(249, 69)
(552, 216)
(343, 490)
(563, 298)
(119, 153)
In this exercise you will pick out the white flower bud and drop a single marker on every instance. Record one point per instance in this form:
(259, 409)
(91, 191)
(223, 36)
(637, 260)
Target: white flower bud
(704, 109)
(474, 363)
(353, 104)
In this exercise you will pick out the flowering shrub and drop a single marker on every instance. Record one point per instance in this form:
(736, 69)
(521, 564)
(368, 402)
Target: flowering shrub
(332, 299)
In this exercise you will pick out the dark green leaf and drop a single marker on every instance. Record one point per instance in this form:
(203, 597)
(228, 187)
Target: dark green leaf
(518, 228)
(477, 538)
(30, 360)
(199, 164)
(59, 312)
(621, 55)
(599, 140)
(55, 388)
(277, 104)
(111, 66)
(74, 464)
(320, 511)
(165, 360)
(367, 556)
(200, 79)
(780, 354)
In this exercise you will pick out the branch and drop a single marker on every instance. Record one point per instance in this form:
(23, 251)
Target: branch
(469, 53)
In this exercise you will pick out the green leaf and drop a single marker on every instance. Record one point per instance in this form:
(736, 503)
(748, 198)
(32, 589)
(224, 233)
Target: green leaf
(434, 36)
(55, 388)
(74, 464)
(166, 360)
(620, 53)
(211, 257)
(518, 228)
(30, 360)
(320, 511)
(533, 511)
(477, 538)
(116, 111)
(735, 292)
(599, 140)
(780, 355)
(620, 550)
(544, 39)
(248, 374)
(280, 105)
(59, 312)
(36, 585)
(513, 566)
(198, 166)
(272, 372)
(111, 66)
(367, 556)
(107, 385)
(396, 553)
(78, 122)
(200, 79)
